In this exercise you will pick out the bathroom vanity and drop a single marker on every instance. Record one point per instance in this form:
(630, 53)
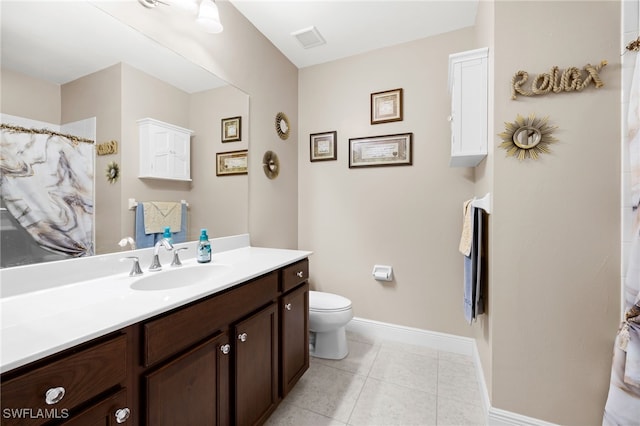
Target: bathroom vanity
(223, 353)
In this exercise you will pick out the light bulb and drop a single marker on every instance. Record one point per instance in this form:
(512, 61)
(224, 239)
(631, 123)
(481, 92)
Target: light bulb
(209, 18)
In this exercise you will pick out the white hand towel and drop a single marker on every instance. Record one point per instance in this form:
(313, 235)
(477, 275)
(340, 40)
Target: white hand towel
(467, 229)
(160, 214)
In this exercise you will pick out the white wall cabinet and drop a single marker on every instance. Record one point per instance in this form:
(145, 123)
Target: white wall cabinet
(165, 150)
(468, 86)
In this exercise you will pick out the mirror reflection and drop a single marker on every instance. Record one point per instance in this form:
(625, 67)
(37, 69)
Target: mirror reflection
(75, 71)
(527, 137)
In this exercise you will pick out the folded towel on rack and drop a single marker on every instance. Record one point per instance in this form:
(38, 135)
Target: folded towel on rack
(467, 229)
(473, 271)
(160, 214)
(149, 240)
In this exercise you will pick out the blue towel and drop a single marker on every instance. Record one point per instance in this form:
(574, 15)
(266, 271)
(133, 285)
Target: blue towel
(473, 292)
(149, 240)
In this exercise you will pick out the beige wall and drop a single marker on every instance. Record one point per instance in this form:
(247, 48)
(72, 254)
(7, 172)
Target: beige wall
(556, 223)
(29, 97)
(408, 217)
(99, 95)
(245, 58)
(554, 241)
(482, 329)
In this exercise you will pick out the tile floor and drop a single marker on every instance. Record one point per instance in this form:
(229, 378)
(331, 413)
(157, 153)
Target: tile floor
(385, 383)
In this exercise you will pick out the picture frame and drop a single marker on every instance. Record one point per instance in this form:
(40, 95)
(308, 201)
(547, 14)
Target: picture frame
(386, 106)
(387, 150)
(231, 129)
(232, 163)
(323, 146)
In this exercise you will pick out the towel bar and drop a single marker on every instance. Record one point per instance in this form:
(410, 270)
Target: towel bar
(133, 203)
(483, 203)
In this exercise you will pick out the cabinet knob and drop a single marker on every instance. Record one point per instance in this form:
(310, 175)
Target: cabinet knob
(122, 415)
(226, 348)
(54, 395)
(242, 337)
(287, 306)
(300, 274)
(450, 118)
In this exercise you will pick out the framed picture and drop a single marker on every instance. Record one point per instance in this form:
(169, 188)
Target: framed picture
(386, 106)
(390, 150)
(323, 146)
(231, 129)
(231, 163)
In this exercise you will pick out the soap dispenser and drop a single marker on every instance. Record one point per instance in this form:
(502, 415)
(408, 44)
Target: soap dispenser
(167, 234)
(204, 247)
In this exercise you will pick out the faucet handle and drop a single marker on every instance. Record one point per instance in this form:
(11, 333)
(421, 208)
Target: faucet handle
(135, 269)
(176, 258)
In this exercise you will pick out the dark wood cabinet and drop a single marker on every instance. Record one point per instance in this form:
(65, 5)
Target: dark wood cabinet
(186, 390)
(55, 390)
(256, 367)
(110, 411)
(226, 359)
(294, 336)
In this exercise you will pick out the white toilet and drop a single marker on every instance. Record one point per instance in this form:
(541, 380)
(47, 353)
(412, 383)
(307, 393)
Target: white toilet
(328, 317)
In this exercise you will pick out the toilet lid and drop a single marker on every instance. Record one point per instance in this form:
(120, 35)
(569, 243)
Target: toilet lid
(321, 301)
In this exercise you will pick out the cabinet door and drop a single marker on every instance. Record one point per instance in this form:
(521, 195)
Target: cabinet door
(256, 356)
(192, 389)
(294, 336)
(110, 411)
(180, 152)
(469, 106)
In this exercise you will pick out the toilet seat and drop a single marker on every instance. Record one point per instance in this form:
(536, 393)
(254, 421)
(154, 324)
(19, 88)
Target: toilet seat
(327, 302)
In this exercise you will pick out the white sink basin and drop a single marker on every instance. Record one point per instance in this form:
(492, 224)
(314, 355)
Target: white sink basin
(179, 277)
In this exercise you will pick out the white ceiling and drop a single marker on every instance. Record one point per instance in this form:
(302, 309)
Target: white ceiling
(350, 27)
(60, 41)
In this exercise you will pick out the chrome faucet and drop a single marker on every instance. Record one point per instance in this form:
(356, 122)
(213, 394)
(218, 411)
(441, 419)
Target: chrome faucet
(155, 264)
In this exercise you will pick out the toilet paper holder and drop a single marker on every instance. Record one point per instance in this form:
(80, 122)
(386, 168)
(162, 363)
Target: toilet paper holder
(382, 272)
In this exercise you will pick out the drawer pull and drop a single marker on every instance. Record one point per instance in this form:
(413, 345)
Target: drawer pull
(225, 349)
(287, 306)
(242, 337)
(300, 274)
(122, 415)
(54, 395)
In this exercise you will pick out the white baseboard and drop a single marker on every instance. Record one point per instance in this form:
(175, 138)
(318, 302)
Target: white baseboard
(444, 342)
(412, 336)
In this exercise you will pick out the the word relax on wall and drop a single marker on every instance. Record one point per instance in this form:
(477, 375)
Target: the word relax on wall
(569, 80)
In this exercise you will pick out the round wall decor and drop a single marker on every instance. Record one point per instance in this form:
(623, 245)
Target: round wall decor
(271, 164)
(527, 137)
(282, 125)
(112, 172)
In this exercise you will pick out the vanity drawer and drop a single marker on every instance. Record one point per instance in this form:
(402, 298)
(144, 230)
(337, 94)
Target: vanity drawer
(180, 329)
(294, 274)
(83, 375)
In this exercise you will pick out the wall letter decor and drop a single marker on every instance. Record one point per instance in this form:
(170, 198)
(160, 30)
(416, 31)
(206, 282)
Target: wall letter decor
(571, 79)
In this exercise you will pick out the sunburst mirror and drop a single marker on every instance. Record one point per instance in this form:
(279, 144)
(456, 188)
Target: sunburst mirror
(271, 164)
(112, 172)
(282, 125)
(527, 137)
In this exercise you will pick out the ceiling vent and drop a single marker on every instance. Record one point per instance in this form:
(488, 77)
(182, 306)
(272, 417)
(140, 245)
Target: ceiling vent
(309, 37)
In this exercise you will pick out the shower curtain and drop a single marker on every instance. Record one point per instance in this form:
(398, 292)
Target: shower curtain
(47, 185)
(623, 402)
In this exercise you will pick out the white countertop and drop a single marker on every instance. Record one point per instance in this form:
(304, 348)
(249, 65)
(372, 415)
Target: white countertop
(44, 321)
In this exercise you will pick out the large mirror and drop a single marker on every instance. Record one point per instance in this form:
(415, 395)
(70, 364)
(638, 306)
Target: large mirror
(71, 62)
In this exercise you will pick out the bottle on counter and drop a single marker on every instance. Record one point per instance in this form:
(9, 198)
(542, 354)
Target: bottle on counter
(167, 234)
(204, 247)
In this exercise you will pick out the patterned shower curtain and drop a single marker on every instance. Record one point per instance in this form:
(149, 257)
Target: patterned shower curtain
(47, 185)
(623, 402)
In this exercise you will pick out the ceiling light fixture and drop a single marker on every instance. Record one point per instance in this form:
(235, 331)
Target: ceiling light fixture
(209, 18)
(207, 10)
